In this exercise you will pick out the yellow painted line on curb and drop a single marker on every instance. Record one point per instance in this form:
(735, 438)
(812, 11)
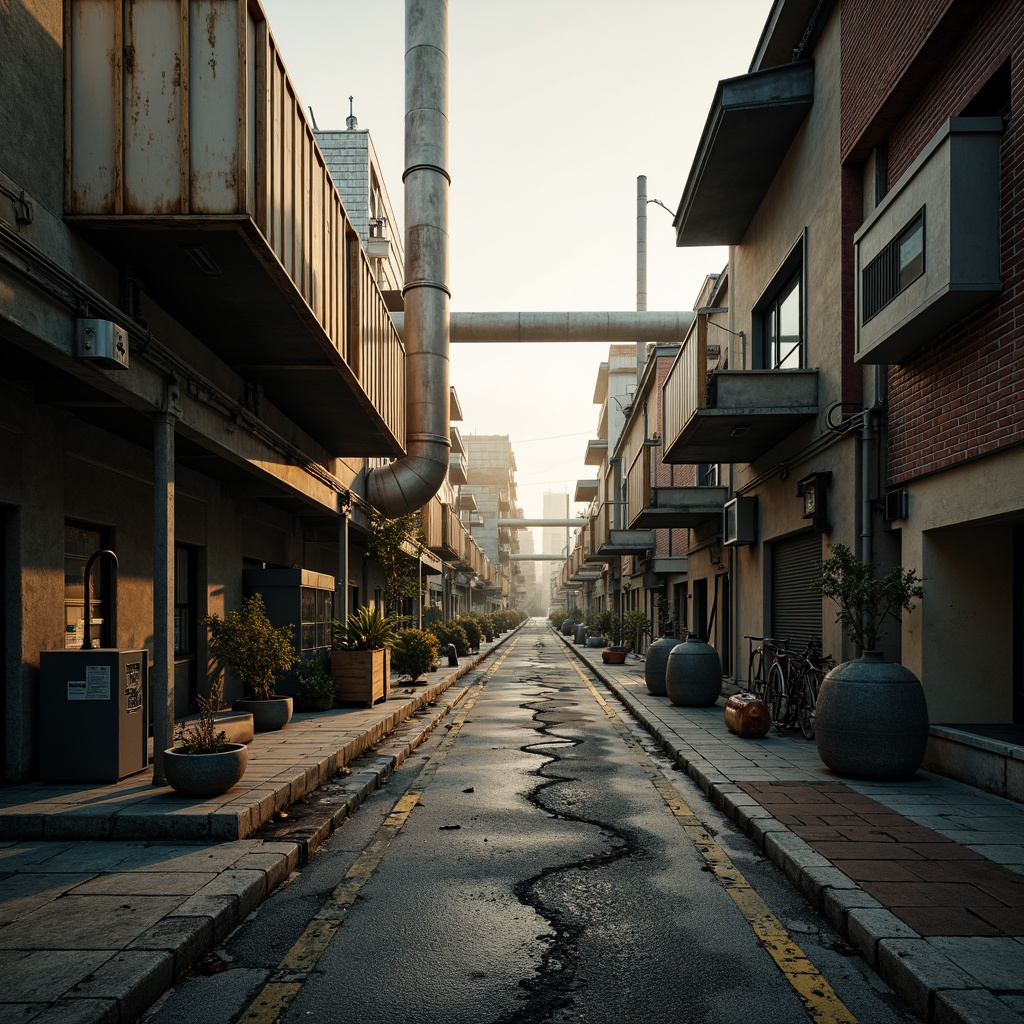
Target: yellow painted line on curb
(287, 979)
(818, 997)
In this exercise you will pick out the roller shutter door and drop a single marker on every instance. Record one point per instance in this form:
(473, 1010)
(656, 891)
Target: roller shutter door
(796, 608)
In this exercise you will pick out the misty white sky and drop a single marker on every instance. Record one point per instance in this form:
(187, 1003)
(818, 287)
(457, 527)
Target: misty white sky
(555, 107)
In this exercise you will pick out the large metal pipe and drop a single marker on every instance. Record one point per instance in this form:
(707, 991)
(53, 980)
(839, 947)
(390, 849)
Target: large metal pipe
(641, 242)
(603, 328)
(521, 524)
(408, 483)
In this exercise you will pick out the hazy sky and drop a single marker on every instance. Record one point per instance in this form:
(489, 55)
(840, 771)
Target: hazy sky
(555, 107)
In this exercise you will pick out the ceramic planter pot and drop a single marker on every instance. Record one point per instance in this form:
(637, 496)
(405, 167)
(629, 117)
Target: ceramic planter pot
(267, 715)
(657, 662)
(693, 674)
(205, 774)
(614, 655)
(568, 625)
(871, 719)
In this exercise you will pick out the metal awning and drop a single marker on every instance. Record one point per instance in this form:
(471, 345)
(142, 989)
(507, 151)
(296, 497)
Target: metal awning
(749, 130)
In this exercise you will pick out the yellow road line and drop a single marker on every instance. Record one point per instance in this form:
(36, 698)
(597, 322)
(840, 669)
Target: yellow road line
(287, 979)
(818, 997)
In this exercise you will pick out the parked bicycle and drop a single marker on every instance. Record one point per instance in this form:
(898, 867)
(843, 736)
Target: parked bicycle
(761, 659)
(791, 689)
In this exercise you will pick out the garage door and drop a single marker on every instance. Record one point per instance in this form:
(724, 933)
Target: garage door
(796, 608)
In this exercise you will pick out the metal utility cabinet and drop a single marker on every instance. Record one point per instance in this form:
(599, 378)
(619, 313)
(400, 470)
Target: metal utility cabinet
(92, 714)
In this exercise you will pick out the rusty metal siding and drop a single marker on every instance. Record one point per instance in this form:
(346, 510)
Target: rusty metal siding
(94, 119)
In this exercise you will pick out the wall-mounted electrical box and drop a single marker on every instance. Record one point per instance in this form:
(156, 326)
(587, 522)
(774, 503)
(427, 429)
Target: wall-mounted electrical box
(102, 342)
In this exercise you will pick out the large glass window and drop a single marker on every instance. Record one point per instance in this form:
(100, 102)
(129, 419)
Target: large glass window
(783, 327)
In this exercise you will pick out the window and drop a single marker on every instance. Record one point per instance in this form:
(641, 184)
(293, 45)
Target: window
(707, 474)
(778, 319)
(894, 269)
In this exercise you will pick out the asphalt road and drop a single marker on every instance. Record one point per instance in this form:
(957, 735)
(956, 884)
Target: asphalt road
(542, 865)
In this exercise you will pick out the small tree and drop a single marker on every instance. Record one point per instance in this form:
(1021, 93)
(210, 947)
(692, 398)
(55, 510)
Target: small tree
(865, 602)
(246, 642)
(389, 539)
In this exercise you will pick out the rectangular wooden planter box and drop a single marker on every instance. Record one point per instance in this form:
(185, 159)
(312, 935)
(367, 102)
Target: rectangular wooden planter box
(361, 677)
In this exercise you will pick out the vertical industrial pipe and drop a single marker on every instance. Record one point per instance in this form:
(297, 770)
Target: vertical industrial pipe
(641, 243)
(408, 483)
(162, 683)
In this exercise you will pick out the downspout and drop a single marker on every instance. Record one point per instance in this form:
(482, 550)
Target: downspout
(408, 483)
(867, 467)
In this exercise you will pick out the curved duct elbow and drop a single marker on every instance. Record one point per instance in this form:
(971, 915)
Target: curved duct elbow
(411, 481)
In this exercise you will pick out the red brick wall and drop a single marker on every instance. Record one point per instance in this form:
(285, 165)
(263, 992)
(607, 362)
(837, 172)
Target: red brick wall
(962, 396)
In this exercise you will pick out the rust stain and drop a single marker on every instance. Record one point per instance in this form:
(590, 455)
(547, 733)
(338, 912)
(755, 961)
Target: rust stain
(176, 81)
(213, 66)
(129, 59)
(211, 27)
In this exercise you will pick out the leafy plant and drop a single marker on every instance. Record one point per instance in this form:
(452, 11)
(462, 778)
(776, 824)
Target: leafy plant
(314, 681)
(450, 632)
(202, 736)
(865, 602)
(614, 631)
(634, 624)
(416, 651)
(388, 545)
(472, 629)
(246, 642)
(366, 629)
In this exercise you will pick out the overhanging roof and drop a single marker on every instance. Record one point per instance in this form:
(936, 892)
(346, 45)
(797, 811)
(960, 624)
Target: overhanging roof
(749, 130)
(586, 490)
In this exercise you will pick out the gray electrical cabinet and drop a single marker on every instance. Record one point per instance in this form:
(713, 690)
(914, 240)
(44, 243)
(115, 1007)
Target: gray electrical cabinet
(92, 714)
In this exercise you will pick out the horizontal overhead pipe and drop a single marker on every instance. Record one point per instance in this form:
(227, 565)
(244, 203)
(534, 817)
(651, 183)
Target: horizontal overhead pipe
(536, 558)
(521, 524)
(564, 327)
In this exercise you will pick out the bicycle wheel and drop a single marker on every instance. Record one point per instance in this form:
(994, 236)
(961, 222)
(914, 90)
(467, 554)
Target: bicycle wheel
(811, 684)
(755, 673)
(776, 697)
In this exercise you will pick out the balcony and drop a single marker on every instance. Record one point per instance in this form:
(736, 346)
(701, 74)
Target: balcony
(215, 194)
(458, 472)
(597, 452)
(682, 507)
(929, 254)
(731, 415)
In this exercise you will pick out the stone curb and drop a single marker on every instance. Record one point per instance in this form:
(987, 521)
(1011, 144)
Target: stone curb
(931, 984)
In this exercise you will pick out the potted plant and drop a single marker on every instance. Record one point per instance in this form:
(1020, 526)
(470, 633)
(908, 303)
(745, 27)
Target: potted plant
(202, 762)
(615, 652)
(416, 651)
(257, 652)
(634, 625)
(871, 718)
(315, 688)
(361, 656)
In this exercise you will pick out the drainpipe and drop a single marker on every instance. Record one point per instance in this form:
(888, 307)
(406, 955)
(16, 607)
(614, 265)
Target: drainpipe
(868, 437)
(408, 483)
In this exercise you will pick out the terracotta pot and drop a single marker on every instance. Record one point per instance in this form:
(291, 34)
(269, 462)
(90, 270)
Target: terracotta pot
(614, 655)
(871, 719)
(205, 774)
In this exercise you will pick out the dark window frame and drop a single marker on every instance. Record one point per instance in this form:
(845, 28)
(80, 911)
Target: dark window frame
(792, 270)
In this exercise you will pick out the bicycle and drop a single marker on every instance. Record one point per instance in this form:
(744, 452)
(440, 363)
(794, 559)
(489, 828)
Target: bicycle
(761, 658)
(792, 689)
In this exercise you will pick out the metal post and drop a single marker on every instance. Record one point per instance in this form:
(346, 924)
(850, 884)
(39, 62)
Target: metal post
(163, 586)
(641, 243)
(341, 587)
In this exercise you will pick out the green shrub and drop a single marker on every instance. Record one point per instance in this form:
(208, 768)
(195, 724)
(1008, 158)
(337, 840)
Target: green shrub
(314, 680)
(487, 625)
(473, 632)
(245, 641)
(416, 651)
(450, 632)
(366, 629)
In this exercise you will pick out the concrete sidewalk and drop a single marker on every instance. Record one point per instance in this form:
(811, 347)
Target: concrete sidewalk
(924, 877)
(109, 892)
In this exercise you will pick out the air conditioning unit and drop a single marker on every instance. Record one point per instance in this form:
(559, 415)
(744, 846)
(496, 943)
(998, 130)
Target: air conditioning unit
(739, 522)
(101, 342)
(897, 505)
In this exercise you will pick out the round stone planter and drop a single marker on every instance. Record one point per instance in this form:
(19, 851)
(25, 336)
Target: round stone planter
(568, 625)
(693, 674)
(871, 719)
(657, 662)
(580, 635)
(267, 715)
(614, 655)
(205, 774)
(597, 641)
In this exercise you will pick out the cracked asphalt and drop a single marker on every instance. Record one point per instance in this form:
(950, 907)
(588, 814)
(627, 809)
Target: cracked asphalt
(539, 876)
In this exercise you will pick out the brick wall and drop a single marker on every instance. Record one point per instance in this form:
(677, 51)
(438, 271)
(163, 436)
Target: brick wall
(962, 396)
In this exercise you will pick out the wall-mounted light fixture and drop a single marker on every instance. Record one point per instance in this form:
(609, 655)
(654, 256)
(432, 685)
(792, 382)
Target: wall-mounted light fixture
(813, 489)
